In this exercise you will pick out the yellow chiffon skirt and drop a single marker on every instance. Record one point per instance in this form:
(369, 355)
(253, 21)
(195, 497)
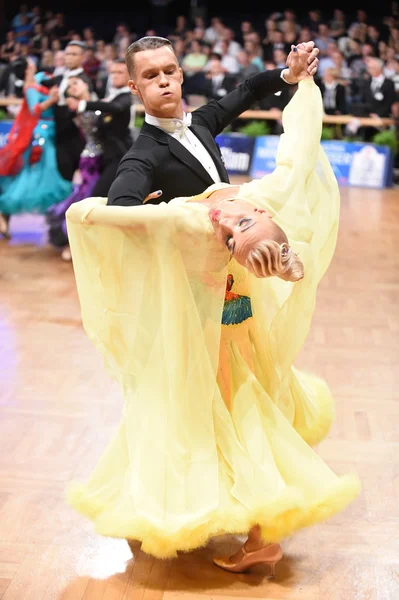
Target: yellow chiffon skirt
(217, 427)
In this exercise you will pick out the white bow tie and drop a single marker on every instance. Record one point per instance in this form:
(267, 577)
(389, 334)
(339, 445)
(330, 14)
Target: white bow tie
(179, 126)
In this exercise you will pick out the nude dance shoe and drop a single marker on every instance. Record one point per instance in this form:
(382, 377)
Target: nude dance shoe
(269, 555)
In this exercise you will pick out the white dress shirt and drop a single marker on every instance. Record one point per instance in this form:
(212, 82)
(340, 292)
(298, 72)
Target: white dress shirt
(179, 129)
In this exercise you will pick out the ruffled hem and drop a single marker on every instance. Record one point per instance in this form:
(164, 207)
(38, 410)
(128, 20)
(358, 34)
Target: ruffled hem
(277, 520)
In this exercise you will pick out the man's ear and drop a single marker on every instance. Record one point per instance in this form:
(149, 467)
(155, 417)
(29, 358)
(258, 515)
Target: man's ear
(133, 87)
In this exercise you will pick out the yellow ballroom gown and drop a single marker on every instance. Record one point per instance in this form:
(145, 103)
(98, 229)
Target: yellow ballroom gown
(217, 426)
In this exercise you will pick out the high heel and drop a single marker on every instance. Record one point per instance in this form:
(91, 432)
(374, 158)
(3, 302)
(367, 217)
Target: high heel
(270, 555)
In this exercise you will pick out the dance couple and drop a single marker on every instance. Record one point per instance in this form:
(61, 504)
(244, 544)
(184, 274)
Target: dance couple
(199, 301)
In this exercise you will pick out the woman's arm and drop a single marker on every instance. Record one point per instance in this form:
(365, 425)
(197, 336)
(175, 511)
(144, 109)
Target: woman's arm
(33, 99)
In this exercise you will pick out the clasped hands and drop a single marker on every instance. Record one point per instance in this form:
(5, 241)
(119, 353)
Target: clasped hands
(302, 62)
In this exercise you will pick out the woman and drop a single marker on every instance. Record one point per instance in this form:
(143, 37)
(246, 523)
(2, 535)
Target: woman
(200, 307)
(90, 165)
(29, 177)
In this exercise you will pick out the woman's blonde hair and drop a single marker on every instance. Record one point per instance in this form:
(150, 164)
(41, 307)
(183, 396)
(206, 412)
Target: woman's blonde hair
(271, 258)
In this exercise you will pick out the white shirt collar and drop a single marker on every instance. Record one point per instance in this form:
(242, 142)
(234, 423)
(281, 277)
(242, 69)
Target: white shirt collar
(379, 79)
(114, 92)
(72, 72)
(170, 125)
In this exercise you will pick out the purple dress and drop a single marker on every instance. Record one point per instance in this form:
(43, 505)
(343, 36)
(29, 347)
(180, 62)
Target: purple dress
(90, 167)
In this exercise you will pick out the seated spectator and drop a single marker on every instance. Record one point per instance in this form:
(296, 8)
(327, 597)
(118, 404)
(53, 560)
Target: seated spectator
(323, 39)
(229, 63)
(46, 63)
(7, 50)
(218, 82)
(255, 53)
(279, 58)
(195, 60)
(379, 92)
(213, 32)
(91, 65)
(334, 93)
(390, 63)
(247, 67)
(24, 31)
(338, 24)
(193, 65)
(277, 43)
(233, 47)
(59, 63)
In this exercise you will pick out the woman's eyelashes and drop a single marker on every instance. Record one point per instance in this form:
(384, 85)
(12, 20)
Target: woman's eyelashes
(241, 223)
(244, 221)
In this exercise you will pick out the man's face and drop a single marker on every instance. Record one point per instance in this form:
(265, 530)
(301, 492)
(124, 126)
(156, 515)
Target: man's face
(73, 57)
(157, 82)
(119, 75)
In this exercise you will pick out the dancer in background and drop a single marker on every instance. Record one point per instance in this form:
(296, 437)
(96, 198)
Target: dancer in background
(107, 136)
(90, 164)
(29, 176)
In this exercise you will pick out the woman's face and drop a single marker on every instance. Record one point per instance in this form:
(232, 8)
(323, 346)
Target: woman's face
(240, 227)
(30, 69)
(77, 87)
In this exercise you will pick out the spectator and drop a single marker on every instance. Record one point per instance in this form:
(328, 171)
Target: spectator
(247, 67)
(233, 47)
(228, 63)
(8, 48)
(218, 81)
(338, 24)
(214, 31)
(91, 66)
(334, 93)
(277, 43)
(23, 31)
(379, 91)
(323, 39)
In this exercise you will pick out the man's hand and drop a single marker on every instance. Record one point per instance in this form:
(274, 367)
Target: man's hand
(72, 103)
(54, 94)
(302, 62)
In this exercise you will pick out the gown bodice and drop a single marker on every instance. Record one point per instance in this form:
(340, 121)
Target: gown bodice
(88, 125)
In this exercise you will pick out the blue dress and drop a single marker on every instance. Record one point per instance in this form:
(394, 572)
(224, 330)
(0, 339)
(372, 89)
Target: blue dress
(37, 186)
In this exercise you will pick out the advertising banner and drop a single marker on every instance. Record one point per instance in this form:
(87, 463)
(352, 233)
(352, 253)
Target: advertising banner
(354, 163)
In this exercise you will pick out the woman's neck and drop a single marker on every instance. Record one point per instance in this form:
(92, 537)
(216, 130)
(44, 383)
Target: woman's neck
(222, 195)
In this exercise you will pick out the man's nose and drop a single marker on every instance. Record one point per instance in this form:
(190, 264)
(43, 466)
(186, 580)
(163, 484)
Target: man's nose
(163, 80)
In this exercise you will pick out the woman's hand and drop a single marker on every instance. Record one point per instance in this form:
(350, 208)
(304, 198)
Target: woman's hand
(153, 195)
(54, 94)
(302, 62)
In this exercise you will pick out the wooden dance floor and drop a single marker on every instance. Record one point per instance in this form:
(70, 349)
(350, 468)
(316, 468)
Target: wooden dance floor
(59, 409)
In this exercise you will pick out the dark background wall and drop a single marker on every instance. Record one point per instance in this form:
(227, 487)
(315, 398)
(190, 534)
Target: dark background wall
(80, 13)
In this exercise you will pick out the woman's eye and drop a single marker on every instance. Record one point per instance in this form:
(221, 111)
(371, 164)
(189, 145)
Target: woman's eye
(245, 221)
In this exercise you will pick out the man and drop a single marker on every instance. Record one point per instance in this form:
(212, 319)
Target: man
(379, 92)
(113, 123)
(69, 142)
(218, 83)
(172, 154)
